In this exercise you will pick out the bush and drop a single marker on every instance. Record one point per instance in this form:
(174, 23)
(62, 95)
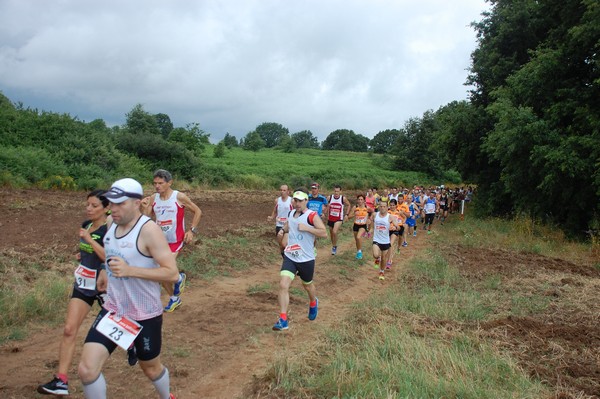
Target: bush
(31, 164)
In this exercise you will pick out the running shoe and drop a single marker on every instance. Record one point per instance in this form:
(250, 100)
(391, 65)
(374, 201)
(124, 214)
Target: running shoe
(405, 244)
(415, 233)
(333, 250)
(54, 387)
(180, 285)
(359, 255)
(132, 358)
(381, 276)
(428, 231)
(313, 311)
(173, 304)
(388, 266)
(281, 325)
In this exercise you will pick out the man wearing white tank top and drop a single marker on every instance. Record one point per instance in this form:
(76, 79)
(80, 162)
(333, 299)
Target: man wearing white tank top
(283, 206)
(138, 260)
(167, 207)
(303, 226)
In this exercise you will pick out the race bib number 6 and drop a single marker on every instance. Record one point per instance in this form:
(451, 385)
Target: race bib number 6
(85, 278)
(120, 330)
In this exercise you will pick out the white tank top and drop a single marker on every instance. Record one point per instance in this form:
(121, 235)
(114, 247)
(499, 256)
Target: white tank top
(382, 228)
(301, 244)
(169, 217)
(283, 209)
(136, 298)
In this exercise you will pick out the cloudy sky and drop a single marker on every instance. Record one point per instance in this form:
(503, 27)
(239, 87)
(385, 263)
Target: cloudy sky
(229, 65)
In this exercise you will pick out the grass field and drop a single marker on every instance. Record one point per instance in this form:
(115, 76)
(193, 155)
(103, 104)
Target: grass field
(271, 167)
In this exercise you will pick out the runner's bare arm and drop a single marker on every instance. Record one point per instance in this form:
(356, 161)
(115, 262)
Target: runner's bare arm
(318, 229)
(187, 202)
(146, 206)
(151, 242)
(269, 218)
(351, 214)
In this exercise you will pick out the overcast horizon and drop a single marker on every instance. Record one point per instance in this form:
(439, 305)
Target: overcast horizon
(364, 65)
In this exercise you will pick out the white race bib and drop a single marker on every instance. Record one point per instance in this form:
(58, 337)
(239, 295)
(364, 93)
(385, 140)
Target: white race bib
(122, 331)
(293, 250)
(85, 278)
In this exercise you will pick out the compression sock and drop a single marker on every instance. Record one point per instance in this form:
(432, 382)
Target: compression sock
(162, 384)
(313, 304)
(62, 377)
(283, 316)
(95, 389)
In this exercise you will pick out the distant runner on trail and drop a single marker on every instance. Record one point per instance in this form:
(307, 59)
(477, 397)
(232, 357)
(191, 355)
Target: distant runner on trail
(430, 208)
(382, 221)
(138, 259)
(91, 256)
(317, 202)
(283, 206)
(337, 213)
(302, 226)
(360, 213)
(167, 207)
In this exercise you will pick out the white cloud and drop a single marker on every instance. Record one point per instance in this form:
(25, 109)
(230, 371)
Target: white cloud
(366, 65)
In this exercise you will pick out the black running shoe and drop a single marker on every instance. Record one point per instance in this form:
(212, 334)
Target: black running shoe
(54, 387)
(132, 358)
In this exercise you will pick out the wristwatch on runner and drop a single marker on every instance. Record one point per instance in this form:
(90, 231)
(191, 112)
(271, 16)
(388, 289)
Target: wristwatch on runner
(194, 230)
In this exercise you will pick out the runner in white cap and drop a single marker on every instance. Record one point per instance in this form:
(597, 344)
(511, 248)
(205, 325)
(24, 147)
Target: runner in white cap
(138, 260)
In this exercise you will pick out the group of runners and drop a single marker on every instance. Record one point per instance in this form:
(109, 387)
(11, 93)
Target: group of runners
(389, 219)
(124, 260)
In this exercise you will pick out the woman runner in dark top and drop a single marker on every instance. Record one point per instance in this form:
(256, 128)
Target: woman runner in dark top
(91, 258)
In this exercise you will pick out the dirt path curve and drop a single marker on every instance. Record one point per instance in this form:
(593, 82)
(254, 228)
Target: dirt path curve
(221, 337)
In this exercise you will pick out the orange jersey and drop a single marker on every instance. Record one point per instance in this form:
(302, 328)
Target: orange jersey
(403, 207)
(360, 216)
(397, 214)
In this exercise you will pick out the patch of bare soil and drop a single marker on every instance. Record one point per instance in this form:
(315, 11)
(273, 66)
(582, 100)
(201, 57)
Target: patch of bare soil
(561, 344)
(220, 338)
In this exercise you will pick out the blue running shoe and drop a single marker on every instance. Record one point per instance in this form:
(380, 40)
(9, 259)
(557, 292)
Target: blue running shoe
(405, 244)
(313, 311)
(359, 255)
(173, 304)
(281, 325)
(333, 250)
(180, 285)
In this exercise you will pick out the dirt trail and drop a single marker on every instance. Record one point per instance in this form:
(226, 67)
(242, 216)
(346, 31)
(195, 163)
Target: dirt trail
(221, 337)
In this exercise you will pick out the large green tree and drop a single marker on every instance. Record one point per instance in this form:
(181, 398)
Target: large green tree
(537, 99)
(305, 139)
(272, 133)
(384, 141)
(346, 140)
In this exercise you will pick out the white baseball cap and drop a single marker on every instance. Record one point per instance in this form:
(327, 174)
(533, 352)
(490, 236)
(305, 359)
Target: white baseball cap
(124, 189)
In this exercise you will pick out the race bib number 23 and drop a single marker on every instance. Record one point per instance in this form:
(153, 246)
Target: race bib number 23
(120, 330)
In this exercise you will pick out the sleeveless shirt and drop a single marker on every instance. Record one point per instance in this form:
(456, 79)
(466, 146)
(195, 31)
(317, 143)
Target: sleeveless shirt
(301, 244)
(136, 298)
(169, 217)
(283, 208)
(382, 227)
